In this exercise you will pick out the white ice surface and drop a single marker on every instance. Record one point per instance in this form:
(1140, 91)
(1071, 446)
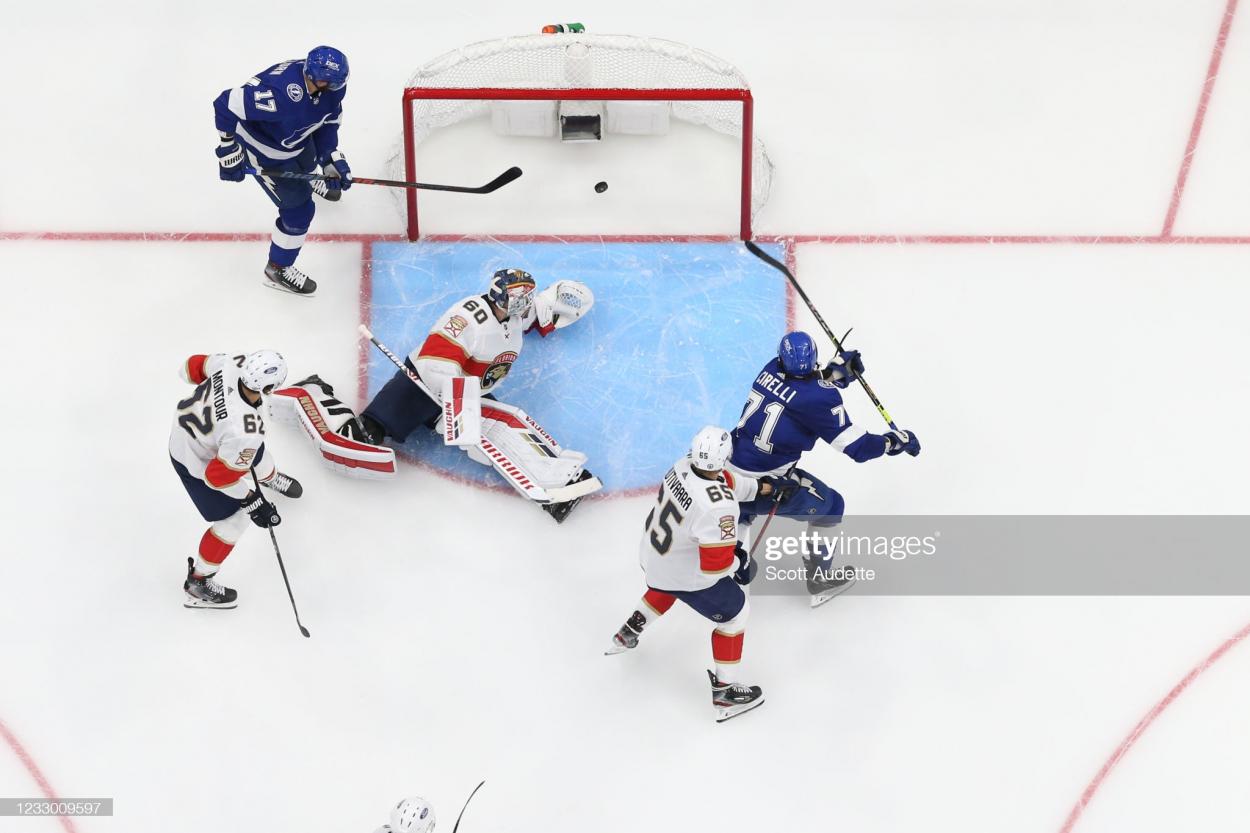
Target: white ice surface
(1042, 379)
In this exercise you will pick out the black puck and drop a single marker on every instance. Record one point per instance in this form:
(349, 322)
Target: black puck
(600, 187)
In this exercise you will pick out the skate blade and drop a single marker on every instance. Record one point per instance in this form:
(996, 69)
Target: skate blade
(730, 712)
(616, 649)
(200, 604)
(820, 598)
(280, 288)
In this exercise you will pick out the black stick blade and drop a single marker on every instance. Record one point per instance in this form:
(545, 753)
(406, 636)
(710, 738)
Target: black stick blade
(500, 181)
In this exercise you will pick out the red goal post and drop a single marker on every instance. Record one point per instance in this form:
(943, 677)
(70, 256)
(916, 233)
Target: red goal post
(605, 68)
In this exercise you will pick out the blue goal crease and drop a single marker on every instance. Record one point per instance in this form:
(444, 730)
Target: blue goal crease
(676, 336)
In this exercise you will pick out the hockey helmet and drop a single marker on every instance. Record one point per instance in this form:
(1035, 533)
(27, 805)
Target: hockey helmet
(512, 290)
(710, 449)
(325, 63)
(797, 353)
(413, 815)
(263, 371)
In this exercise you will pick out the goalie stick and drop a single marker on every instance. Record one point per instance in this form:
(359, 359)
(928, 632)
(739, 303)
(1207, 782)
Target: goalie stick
(499, 459)
(781, 267)
(494, 185)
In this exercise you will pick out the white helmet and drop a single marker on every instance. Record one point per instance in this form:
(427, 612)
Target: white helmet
(711, 449)
(413, 815)
(263, 370)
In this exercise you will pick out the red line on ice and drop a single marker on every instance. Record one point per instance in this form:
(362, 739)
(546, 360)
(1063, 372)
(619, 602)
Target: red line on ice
(31, 767)
(1200, 115)
(1142, 725)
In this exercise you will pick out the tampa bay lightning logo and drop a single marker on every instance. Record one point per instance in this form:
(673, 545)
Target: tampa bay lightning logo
(295, 91)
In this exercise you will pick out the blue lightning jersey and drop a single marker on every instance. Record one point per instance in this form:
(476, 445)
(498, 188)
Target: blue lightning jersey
(785, 416)
(275, 118)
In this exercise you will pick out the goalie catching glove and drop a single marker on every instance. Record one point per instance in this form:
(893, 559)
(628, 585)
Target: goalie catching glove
(562, 303)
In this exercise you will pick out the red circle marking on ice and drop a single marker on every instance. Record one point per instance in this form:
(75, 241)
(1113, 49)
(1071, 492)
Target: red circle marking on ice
(1142, 725)
(31, 767)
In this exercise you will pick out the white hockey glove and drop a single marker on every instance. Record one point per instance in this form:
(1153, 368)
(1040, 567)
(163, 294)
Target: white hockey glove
(562, 303)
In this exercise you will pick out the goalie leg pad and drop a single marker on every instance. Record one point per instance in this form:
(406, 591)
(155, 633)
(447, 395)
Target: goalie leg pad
(312, 405)
(529, 458)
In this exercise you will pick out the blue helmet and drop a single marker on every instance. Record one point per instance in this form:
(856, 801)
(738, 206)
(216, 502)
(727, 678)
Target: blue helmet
(797, 353)
(325, 63)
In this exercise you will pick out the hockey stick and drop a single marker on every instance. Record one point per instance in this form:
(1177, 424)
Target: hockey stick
(494, 185)
(778, 265)
(272, 537)
(465, 807)
(771, 512)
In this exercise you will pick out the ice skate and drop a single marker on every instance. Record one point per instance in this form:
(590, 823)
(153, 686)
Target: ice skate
(324, 191)
(284, 485)
(562, 509)
(626, 639)
(203, 591)
(289, 279)
(733, 699)
(821, 583)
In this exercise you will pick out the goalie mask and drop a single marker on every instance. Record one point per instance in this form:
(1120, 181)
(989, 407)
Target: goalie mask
(512, 290)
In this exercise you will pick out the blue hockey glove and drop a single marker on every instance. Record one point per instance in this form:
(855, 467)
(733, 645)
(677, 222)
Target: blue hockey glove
(782, 487)
(336, 167)
(230, 159)
(841, 371)
(747, 566)
(896, 442)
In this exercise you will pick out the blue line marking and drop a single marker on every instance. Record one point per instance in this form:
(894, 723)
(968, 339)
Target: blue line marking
(677, 334)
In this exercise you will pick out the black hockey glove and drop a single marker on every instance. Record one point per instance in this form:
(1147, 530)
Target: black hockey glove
(230, 159)
(896, 442)
(263, 513)
(747, 566)
(782, 488)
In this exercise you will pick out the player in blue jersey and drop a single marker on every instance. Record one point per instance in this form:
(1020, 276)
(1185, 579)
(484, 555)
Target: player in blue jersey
(287, 118)
(793, 404)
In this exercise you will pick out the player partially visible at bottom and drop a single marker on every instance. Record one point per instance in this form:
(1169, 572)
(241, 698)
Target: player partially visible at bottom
(689, 551)
(410, 815)
(216, 442)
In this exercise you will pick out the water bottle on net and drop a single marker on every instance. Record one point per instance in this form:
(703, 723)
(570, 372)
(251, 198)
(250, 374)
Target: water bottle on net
(562, 28)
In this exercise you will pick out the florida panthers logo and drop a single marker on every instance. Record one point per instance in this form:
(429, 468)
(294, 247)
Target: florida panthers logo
(498, 369)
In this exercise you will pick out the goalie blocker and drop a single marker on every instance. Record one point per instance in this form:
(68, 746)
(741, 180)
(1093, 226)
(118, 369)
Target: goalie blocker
(332, 427)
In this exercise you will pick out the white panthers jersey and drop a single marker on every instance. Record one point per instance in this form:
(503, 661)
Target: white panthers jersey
(216, 433)
(468, 340)
(689, 539)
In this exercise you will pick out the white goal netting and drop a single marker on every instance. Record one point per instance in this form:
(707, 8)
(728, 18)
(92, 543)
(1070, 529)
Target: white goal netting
(709, 91)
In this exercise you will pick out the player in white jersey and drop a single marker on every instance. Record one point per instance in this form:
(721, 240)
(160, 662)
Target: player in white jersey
(479, 337)
(217, 439)
(689, 551)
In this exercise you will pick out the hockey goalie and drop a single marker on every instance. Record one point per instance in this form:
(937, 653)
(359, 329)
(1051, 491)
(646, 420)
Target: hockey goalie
(447, 385)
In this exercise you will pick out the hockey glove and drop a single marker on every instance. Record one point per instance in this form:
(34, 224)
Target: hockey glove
(263, 513)
(896, 442)
(230, 159)
(841, 372)
(335, 166)
(747, 566)
(781, 488)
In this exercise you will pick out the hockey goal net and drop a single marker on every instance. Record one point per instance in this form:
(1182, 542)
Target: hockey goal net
(580, 88)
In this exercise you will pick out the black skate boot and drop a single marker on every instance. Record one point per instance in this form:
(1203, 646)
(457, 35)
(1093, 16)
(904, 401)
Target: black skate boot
(203, 591)
(364, 429)
(289, 279)
(733, 699)
(561, 510)
(626, 638)
(284, 485)
(824, 580)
